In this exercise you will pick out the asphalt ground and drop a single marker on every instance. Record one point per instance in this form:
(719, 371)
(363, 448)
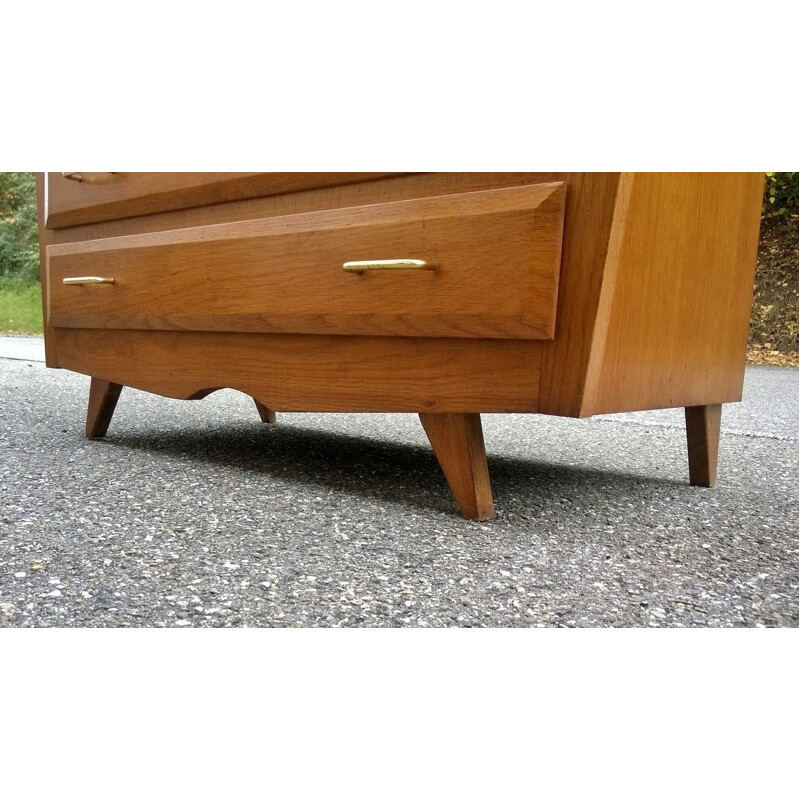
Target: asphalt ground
(195, 514)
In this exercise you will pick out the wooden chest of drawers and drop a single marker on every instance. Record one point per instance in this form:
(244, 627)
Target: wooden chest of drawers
(449, 295)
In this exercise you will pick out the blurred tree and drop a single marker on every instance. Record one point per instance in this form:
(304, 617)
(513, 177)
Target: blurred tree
(780, 194)
(19, 237)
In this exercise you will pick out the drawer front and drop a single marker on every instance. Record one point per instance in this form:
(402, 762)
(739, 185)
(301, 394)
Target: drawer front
(493, 259)
(77, 198)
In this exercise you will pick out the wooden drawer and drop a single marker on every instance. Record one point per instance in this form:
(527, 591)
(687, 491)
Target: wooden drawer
(496, 256)
(99, 196)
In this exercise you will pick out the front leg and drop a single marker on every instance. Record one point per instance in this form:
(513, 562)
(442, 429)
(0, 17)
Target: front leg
(103, 397)
(702, 437)
(266, 414)
(457, 440)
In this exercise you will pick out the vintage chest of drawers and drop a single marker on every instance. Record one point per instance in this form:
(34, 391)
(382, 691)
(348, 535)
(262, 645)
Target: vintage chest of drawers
(444, 294)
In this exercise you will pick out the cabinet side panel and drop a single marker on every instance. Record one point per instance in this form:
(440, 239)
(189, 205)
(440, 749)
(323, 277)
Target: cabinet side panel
(45, 239)
(678, 326)
(591, 204)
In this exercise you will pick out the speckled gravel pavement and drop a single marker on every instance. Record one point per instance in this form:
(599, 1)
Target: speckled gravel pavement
(197, 514)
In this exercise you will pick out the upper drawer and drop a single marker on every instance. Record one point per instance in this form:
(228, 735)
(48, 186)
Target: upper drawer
(85, 197)
(496, 256)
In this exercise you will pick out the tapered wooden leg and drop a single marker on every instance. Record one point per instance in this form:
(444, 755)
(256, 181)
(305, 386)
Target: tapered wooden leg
(457, 440)
(266, 414)
(103, 398)
(702, 436)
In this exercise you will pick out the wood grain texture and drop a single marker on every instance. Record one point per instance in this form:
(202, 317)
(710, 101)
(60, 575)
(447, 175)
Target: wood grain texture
(384, 190)
(606, 321)
(103, 396)
(679, 317)
(45, 239)
(590, 206)
(289, 372)
(590, 210)
(266, 414)
(457, 440)
(619, 227)
(702, 437)
(497, 253)
(132, 194)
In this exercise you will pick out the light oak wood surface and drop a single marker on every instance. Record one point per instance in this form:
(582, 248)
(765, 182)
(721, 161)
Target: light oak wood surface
(130, 194)
(457, 440)
(680, 304)
(402, 186)
(290, 372)
(590, 214)
(497, 257)
(45, 239)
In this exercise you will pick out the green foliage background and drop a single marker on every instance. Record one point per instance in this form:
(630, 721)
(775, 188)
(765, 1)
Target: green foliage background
(780, 194)
(19, 237)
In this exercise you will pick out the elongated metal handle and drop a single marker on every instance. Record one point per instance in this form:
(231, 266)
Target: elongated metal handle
(89, 177)
(391, 263)
(86, 279)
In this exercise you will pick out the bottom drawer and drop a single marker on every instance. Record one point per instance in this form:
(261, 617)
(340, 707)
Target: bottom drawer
(490, 264)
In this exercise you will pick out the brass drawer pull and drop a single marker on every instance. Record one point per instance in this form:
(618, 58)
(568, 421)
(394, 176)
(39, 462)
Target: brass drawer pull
(89, 177)
(392, 263)
(86, 280)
